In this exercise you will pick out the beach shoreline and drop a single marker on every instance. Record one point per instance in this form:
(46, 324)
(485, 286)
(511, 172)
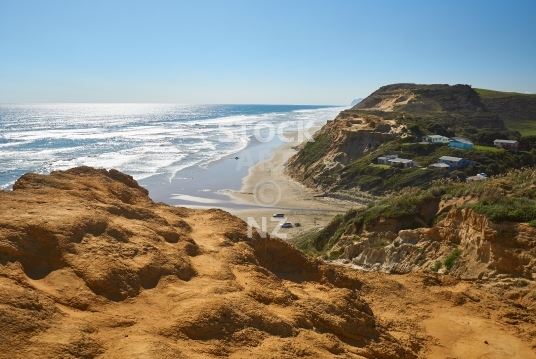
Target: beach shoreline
(253, 185)
(298, 203)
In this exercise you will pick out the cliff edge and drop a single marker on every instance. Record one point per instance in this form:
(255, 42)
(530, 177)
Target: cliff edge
(394, 120)
(91, 267)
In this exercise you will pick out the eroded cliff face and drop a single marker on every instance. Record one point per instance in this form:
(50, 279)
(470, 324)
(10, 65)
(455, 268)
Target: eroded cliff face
(390, 114)
(479, 248)
(346, 138)
(91, 267)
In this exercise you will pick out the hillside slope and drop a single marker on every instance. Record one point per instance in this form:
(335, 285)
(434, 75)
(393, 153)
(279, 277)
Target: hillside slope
(471, 230)
(518, 111)
(483, 233)
(393, 120)
(413, 98)
(91, 267)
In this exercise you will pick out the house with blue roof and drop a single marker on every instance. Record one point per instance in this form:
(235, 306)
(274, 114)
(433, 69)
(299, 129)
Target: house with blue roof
(461, 143)
(454, 162)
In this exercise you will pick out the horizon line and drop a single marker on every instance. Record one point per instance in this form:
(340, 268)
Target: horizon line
(165, 103)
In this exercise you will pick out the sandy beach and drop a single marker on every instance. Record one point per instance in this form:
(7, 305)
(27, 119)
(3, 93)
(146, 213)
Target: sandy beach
(252, 184)
(267, 189)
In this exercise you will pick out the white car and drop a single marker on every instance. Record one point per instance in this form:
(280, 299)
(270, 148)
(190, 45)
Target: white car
(286, 225)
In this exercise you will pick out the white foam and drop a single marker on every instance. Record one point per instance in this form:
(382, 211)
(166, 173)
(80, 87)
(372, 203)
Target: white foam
(185, 197)
(140, 139)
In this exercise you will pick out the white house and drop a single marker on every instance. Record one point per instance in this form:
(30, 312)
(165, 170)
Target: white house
(384, 160)
(507, 144)
(439, 165)
(402, 162)
(478, 177)
(394, 160)
(436, 139)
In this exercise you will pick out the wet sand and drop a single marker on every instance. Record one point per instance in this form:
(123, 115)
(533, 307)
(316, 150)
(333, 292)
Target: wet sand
(252, 185)
(205, 186)
(267, 189)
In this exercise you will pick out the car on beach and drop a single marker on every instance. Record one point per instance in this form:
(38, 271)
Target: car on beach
(286, 225)
(278, 215)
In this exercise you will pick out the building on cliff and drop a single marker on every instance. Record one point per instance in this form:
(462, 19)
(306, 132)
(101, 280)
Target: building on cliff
(384, 160)
(454, 162)
(436, 139)
(478, 177)
(439, 165)
(507, 144)
(461, 143)
(402, 162)
(395, 161)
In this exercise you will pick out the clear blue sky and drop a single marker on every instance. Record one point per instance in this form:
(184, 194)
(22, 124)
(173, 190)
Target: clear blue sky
(293, 51)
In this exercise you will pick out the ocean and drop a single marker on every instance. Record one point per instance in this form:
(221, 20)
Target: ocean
(144, 140)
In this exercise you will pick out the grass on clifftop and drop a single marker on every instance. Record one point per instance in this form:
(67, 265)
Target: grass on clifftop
(524, 127)
(405, 207)
(515, 209)
(509, 197)
(488, 149)
(484, 93)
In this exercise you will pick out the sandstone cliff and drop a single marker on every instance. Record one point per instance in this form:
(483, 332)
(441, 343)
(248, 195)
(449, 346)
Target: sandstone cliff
(393, 120)
(337, 144)
(476, 230)
(478, 248)
(91, 267)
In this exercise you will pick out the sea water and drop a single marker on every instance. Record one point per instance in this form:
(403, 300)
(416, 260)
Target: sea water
(143, 140)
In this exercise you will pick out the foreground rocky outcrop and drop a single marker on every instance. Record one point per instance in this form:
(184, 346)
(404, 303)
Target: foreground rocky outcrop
(91, 267)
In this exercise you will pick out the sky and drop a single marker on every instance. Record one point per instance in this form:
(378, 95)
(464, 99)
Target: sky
(258, 51)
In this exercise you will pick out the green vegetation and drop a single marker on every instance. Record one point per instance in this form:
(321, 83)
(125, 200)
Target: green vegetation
(508, 197)
(367, 175)
(488, 149)
(452, 258)
(524, 127)
(307, 242)
(314, 150)
(406, 204)
(516, 209)
(477, 114)
(484, 93)
(517, 110)
(380, 166)
(316, 242)
(413, 194)
(407, 208)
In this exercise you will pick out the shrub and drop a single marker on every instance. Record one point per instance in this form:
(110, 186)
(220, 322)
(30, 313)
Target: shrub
(452, 258)
(514, 209)
(314, 150)
(405, 204)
